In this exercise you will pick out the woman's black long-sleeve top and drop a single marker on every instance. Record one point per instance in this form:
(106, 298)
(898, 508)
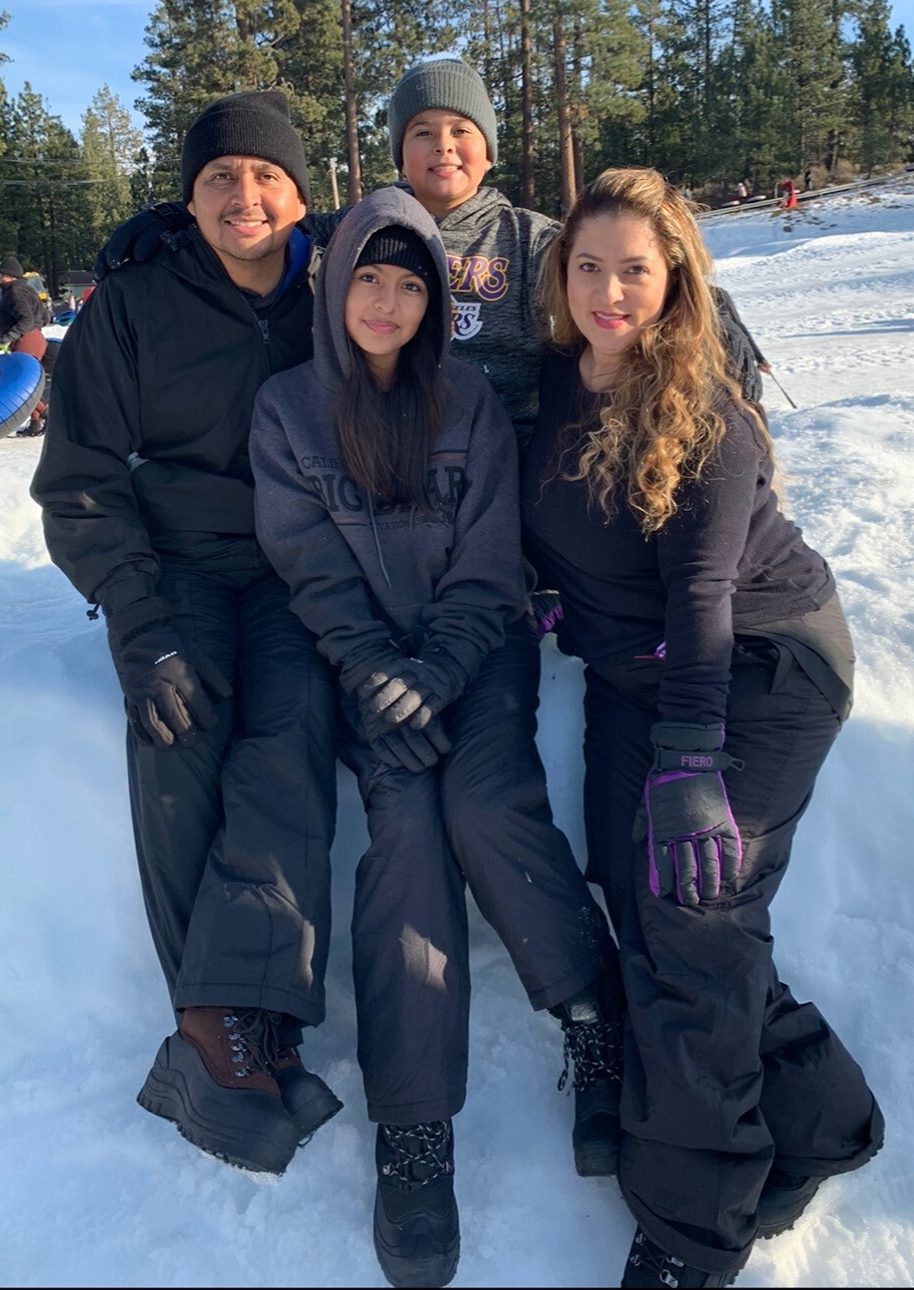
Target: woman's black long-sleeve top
(727, 559)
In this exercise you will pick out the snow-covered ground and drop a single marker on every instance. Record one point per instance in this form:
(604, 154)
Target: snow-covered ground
(95, 1192)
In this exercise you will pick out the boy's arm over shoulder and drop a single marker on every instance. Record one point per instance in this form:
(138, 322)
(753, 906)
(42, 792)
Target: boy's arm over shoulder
(139, 237)
(321, 225)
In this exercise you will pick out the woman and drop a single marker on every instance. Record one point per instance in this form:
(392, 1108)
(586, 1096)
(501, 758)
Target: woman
(386, 496)
(719, 671)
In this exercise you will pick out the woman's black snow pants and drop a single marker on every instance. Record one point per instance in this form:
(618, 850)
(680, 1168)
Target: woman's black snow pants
(481, 817)
(725, 1072)
(233, 833)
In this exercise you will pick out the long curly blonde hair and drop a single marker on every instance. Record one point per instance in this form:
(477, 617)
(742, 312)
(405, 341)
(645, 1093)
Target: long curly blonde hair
(659, 423)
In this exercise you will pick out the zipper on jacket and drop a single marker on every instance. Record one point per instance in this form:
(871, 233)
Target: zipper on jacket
(264, 325)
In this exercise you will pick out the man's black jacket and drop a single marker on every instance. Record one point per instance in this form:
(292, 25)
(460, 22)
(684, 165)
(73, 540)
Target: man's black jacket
(153, 393)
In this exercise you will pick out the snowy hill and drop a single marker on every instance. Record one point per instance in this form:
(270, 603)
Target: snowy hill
(96, 1192)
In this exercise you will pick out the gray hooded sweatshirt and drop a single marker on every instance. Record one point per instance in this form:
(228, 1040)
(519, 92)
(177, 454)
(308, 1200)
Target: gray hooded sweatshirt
(363, 574)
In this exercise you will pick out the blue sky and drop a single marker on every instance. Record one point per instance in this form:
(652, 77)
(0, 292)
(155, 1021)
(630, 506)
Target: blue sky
(68, 49)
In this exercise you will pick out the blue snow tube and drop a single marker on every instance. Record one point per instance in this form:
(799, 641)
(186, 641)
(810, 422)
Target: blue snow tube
(21, 386)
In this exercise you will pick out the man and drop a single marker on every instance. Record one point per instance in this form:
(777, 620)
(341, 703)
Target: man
(22, 316)
(147, 497)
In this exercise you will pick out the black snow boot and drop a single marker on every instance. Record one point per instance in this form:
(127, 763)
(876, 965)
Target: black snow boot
(648, 1266)
(305, 1095)
(213, 1080)
(784, 1198)
(416, 1224)
(593, 1047)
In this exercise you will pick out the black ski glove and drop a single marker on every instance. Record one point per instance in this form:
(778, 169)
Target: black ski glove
(168, 698)
(138, 236)
(412, 750)
(413, 691)
(694, 848)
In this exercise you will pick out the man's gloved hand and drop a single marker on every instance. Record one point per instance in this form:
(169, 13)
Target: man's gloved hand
(412, 690)
(168, 698)
(412, 750)
(138, 236)
(694, 848)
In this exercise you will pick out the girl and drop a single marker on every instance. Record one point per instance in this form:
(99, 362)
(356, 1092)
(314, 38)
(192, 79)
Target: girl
(719, 671)
(386, 496)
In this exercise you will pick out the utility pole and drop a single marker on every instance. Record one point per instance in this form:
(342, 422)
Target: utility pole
(333, 184)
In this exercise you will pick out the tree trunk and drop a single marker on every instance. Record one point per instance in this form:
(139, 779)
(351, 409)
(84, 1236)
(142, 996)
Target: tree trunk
(566, 147)
(352, 122)
(528, 188)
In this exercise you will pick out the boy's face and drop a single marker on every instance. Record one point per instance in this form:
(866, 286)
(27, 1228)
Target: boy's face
(444, 159)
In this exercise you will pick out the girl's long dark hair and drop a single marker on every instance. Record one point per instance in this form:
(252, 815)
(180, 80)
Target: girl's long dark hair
(387, 435)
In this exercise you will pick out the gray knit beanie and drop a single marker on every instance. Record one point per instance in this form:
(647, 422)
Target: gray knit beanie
(11, 268)
(254, 124)
(447, 83)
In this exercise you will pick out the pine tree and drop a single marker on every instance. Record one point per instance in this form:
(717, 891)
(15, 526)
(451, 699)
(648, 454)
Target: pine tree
(809, 39)
(44, 185)
(883, 87)
(110, 145)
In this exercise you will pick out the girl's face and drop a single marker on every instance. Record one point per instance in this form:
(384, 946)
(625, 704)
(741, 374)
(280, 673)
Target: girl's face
(444, 159)
(384, 307)
(617, 284)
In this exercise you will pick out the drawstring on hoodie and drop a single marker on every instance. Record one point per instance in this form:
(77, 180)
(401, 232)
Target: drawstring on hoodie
(377, 542)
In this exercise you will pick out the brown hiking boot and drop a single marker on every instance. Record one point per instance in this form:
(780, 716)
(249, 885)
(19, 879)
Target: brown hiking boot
(232, 1046)
(212, 1079)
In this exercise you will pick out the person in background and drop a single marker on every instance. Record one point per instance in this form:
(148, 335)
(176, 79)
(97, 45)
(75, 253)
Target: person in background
(22, 316)
(719, 670)
(147, 497)
(386, 497)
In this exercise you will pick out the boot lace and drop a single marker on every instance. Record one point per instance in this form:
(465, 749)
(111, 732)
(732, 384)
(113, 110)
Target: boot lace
(594, 1049)
(655, 1263)
(252, 1041)
(421, 1153)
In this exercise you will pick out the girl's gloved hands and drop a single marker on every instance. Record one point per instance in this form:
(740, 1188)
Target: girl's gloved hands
(411, 692)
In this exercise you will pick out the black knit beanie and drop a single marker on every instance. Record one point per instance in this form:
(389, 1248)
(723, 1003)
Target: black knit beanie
(255, 124)
(402, 248)
(11, 268)
(447, 83)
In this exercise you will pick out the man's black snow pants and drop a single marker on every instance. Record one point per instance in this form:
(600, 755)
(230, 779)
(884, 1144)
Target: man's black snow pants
(233, 833)
(481, 817)
(725, 1072)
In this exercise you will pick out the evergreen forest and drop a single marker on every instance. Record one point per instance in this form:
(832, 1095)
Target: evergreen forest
(711, 92)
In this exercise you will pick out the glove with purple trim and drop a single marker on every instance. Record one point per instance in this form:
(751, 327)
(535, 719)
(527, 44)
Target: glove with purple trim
(415, 691)
(694, 848)
(548, 611)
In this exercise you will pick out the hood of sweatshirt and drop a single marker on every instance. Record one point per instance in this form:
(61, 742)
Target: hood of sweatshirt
(478, 210)
(382, 208)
